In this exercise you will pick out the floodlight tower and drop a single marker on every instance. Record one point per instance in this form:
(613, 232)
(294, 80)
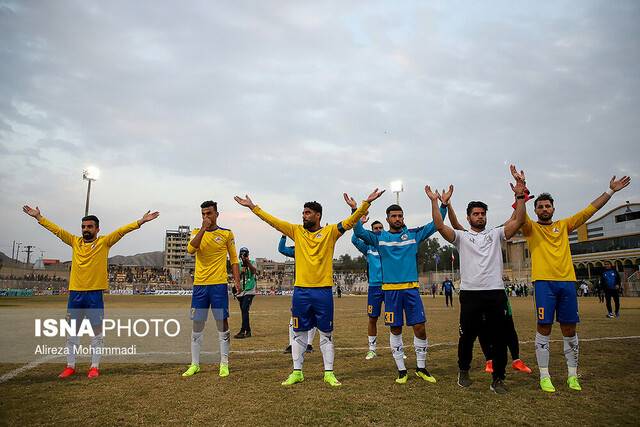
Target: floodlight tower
(90, 173)
(397, 187)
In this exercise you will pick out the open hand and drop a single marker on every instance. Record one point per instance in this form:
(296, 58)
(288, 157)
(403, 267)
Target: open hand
(619, 184)
(430, 194)
(245, 202)
(149, 216)
(374, 195)
(32, 212)
(446, 195)
(350, 201)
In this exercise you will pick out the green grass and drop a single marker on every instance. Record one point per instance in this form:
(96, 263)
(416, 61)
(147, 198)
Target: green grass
(155, 393)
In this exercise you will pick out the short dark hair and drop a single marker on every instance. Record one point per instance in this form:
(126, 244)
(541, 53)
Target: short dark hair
(314, 206)
(476, 204)
(374, 223)
(543, 196)
(92, 218)
(393, 208)
(209, 204)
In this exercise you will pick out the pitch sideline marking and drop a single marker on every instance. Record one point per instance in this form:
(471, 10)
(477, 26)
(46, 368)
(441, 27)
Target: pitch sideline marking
(12, 374)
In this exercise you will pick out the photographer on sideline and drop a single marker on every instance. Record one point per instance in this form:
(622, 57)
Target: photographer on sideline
(248, 291)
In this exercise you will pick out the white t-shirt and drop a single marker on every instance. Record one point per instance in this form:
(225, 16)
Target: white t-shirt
(480, 259)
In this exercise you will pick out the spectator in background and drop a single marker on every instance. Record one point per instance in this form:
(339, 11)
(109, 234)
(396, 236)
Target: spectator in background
(610, 282)
(248, 291)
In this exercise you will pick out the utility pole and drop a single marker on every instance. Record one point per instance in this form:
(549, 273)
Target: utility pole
(28, 250)
(18, 252)
(13, 250)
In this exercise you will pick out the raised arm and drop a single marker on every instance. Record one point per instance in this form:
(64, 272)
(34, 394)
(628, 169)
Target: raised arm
(575, 221)
(284, 227)
(369, 237)
(59, 232)
(514, 223)
(437, 214)
(453, 218)
(359, 244)
(614, 187)
(349, 223)
(113, 237)
(285, 250)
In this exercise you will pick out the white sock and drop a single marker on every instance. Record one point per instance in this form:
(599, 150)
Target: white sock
(72, 344)
(326, 347)
(397, 349)
(97, 343)
(373, 341)
(298, 348)
(571, 352)
(542, 354)
(312, 335)
(225, 341)
(291, 333)
(421, 351)
(196, 345)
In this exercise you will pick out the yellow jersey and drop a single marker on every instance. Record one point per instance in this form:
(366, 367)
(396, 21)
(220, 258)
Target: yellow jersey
(89, 260)
(549, 246)
(313, 249)
(211, 256)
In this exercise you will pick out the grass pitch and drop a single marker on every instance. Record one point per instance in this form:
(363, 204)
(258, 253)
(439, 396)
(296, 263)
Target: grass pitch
(155, 393)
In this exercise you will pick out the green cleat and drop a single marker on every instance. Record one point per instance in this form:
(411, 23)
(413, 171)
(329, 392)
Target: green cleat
(402, 377)
(224, 370)
(330, 378)
(425, 375)
(193, 369)
(546, 385)
(573, 383)
(293, 378)
(370, 355)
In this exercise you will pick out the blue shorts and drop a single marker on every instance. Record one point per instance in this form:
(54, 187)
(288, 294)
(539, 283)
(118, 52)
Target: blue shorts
(312, 308)
(375, 298)
(407, 300)
(87, 304)
(556, 298)
(215, 297)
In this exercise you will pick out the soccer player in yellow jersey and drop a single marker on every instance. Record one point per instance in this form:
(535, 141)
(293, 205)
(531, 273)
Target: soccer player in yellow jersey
(88, 279)
(312, 303)
(554, 278)
(211, 244)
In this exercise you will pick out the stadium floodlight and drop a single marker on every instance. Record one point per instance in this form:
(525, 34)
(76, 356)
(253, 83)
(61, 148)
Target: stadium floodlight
(397, 187)
(90, 173)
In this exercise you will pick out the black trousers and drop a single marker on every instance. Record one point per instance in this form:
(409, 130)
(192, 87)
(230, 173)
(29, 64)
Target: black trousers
(245, 305)
(448, 297)
(483, 312)
(612, 293)
(511, 337)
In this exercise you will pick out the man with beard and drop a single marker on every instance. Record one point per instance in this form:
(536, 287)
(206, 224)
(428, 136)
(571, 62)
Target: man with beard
(88, 279)
(554, 278)
(290, 251)
(312, 302)
(482, 293)
(398, 249)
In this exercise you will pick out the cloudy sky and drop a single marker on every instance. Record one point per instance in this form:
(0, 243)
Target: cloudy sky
(292, 101)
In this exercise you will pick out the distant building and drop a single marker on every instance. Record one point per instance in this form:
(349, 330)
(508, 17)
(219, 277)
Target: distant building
(176, 258)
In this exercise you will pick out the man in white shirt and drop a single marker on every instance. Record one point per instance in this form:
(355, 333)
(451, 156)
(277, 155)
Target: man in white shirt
(482, 294)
